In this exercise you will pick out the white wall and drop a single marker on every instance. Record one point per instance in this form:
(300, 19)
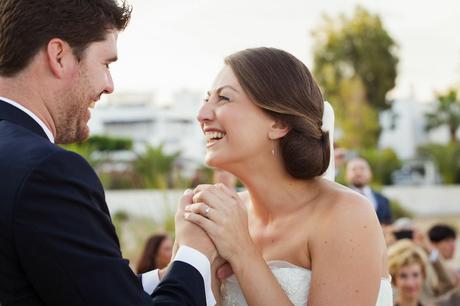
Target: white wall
(423, 201)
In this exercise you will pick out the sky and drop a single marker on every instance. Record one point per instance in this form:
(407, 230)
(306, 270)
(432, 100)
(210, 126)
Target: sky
(180, 44)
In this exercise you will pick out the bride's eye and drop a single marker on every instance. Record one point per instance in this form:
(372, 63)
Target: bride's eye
(224, 98)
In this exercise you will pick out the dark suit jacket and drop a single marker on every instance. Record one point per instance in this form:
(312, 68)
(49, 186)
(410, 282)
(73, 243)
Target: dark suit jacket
(383, 208)
(58, 245)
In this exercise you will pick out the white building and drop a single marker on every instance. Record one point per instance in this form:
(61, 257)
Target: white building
(138, 117)
(403, 127)
(403, 130)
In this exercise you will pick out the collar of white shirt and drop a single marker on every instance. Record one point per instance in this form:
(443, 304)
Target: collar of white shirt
(32, 115)
(367, 192)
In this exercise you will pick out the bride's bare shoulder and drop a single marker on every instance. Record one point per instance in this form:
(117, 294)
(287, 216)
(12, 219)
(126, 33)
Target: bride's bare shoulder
(347, 217)
(346, 207)
(340, 197)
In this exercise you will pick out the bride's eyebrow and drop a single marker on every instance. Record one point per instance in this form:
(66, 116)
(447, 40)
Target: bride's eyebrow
(219, 90)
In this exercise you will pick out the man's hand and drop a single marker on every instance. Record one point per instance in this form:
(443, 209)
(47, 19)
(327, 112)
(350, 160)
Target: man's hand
(190, 234)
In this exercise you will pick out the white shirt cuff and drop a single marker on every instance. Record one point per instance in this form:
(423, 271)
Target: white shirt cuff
(200, 262)
(150, 281)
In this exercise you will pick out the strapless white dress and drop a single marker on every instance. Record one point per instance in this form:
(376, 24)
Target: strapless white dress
(295, 281)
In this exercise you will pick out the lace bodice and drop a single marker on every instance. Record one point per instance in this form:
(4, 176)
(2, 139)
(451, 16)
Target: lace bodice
(295, 281)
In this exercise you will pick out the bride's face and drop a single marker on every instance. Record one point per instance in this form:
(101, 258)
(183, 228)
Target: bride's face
(235, 128)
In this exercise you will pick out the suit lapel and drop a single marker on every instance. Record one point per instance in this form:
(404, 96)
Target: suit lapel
(14, 115)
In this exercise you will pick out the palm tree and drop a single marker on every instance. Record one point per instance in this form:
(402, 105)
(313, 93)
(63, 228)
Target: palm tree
(154, 166)
(447, 113)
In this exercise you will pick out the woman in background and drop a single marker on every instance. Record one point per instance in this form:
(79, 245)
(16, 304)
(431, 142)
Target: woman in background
(157, 253)
(408, 267)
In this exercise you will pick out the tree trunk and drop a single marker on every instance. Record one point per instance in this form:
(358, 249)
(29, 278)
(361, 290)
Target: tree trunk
(453, 134)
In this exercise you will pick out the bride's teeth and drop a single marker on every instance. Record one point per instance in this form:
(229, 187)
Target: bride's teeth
(214, 135)
(92, 105)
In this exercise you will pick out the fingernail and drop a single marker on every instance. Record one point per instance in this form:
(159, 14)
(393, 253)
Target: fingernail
(188, 191)
(188, 208)
(186, 215)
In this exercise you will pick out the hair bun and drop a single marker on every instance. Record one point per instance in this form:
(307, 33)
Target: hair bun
(305, 156)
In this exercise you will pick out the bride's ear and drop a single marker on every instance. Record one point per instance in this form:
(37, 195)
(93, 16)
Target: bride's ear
(278, 129)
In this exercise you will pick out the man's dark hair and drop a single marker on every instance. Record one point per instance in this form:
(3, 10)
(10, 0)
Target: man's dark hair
(26, 26)
(441, 232)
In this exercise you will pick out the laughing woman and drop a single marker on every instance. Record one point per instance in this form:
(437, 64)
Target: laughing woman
(294, 238)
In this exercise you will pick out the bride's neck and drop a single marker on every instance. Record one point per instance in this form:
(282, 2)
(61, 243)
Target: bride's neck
(272, 191)
(274, 194)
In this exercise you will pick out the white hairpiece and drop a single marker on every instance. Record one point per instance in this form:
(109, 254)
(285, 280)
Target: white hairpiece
(328, 126)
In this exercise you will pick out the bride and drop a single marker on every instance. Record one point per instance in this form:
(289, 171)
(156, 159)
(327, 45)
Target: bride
(294, 238)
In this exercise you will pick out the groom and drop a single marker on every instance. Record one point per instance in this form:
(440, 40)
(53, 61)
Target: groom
(57, 243)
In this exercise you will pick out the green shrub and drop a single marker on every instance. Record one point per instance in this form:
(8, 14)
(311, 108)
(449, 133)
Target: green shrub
(398, 211)
(447, 159)
(154, 167)
(383, 163)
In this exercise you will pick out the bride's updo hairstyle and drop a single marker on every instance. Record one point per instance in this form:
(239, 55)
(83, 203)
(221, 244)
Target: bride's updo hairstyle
(283, 86)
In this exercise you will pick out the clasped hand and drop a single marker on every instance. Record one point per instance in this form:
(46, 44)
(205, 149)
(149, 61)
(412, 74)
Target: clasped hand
(221, 213)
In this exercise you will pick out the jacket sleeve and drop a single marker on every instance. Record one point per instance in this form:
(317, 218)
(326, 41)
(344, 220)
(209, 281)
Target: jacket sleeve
(182, 285)
(67, 243)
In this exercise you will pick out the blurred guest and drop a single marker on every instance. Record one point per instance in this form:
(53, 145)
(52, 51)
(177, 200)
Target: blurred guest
(443, 238)
(224, 177)
(407, 263)
(358, 177)
(404, 228)
(438, 281)
(157, 253)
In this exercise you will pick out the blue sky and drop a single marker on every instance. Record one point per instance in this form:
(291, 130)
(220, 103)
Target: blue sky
(175, 44)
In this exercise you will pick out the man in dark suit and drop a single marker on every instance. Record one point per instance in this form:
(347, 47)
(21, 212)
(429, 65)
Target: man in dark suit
(58, 245)
(358, 177)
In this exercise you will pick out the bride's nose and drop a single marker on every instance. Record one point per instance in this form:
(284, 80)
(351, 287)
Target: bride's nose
(206, 112)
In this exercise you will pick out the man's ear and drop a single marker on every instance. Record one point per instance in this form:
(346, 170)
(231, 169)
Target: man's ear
(60, 57)
(278, 129)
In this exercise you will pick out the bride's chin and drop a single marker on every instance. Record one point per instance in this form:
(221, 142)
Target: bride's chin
(213, 161)
(210, 162)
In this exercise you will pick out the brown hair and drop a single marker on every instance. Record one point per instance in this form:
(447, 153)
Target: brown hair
(26, 26)
(147, 261)
(282, 85)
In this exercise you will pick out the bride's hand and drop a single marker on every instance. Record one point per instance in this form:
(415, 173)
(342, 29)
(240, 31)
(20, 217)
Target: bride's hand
(222, 214)
(191, 235)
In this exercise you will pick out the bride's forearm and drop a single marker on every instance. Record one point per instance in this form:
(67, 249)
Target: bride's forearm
(255, 278)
